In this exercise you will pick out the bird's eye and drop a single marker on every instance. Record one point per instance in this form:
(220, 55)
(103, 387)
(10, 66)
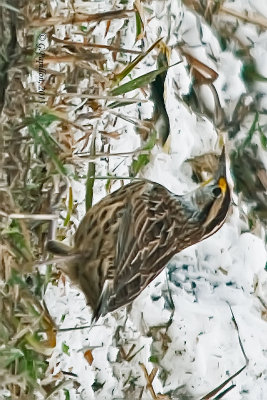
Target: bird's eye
(217, 191)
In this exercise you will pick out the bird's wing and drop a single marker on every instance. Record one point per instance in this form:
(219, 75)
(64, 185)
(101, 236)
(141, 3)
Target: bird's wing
(145, 244)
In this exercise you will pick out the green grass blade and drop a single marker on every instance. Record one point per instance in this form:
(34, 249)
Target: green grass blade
(90, 180)
(139, 82)
(132, 65)
(41, 136)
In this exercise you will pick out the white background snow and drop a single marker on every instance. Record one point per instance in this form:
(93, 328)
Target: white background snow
(226, 269)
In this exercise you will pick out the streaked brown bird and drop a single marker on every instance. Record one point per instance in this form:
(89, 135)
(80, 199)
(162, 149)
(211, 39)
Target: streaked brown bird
(126, 239)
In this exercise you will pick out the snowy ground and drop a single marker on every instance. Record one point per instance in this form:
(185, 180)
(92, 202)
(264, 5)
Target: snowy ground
(198, 348)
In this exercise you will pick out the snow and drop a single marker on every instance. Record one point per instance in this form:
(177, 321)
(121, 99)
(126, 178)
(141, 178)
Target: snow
(203, 281)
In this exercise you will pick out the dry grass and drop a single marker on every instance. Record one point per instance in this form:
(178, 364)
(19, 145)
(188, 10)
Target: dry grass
(39, 137)
(38, 133)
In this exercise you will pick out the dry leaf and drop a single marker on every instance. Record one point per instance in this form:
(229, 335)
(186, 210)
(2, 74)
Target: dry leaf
(89, 356)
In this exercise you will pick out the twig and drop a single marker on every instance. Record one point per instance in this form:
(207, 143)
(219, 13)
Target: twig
(221, 395)
(222, 385)
(98, 46)
(149, 378)
(239, 340)
(253, 19)
(38, 217)
(92, 96)
(103, 154)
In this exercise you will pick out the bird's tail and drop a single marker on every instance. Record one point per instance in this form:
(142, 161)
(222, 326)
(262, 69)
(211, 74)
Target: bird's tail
(58, 248)
(102, 306)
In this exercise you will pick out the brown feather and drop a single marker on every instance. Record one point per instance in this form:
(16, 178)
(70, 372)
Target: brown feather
(125, 240)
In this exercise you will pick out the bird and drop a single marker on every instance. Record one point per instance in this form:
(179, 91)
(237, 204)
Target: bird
(127, 238)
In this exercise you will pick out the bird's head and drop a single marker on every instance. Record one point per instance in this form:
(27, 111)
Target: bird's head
(210, 202)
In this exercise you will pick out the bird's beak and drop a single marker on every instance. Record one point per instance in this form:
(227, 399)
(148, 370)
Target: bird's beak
(221, 171)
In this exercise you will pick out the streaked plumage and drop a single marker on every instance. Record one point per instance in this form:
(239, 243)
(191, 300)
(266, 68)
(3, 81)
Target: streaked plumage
(126, 239)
